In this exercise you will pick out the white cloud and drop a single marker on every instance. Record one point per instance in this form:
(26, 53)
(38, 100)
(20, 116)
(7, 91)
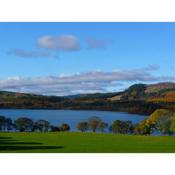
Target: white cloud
(95, 43)
(29, 54)
(82, 82)
(62, 42)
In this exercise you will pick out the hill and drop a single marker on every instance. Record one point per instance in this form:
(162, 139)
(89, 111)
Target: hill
(138, 98)
(24, 100)
(161, 92)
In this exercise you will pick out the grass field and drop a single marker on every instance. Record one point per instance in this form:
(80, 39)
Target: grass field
(75, 142)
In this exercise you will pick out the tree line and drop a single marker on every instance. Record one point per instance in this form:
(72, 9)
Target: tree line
(24, 124)
(131, 106)
(161, 121)
(94, 124)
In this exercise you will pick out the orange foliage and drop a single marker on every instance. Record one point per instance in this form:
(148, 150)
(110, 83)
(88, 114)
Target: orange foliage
(167, 97)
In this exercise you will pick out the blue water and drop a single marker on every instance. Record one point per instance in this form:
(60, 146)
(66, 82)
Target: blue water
(72, 117)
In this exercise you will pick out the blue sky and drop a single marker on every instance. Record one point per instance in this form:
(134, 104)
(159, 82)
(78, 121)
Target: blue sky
(43, 57)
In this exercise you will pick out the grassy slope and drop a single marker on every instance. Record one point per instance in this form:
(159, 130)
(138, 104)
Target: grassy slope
(84, 143)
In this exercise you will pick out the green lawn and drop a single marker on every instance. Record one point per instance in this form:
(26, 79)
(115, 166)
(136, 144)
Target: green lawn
(75, 142)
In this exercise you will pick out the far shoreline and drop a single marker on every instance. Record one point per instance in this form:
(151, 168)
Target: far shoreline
(71, 110)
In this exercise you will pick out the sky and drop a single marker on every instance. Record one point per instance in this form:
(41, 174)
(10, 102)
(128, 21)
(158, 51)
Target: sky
(72, 58)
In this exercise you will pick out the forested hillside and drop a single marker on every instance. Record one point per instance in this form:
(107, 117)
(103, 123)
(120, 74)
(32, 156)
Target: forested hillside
(138, 98)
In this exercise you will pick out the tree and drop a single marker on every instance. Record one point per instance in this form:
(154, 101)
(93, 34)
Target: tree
(121, 127)
(102, 126)
(144, 129)
(2, 123)
(64, 127)
(129, 127)
(94, 123)
(172, 127)
(42, 125)
(6, 124)
(164, 124)
(24, 124)
(82, 126)
(9, 124)
(160, 120)
(116, 126)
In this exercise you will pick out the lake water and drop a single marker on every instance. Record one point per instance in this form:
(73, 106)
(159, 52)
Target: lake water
(72, 117)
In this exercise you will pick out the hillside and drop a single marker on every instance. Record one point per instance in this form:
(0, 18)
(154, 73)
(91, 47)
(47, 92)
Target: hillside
(161, 92)
(138, 98)
(23, 100)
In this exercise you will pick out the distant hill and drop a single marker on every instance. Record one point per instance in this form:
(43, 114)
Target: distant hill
(138, 98)
(161, 92)
(24, 100)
